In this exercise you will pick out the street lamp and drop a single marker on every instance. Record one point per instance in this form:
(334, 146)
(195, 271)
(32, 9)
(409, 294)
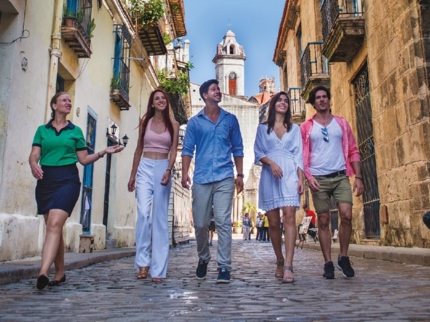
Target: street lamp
(113, 127)
(125, 140)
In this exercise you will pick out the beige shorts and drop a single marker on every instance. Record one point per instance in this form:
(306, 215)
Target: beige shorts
(338, 187)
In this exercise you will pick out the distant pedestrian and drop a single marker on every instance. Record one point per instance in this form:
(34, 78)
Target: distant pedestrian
(212, 229)
(246, 225)
(259, 224)
(214, 135)
(57, 147)
(278, 147)
(310, 213)
(266, 235)
(330, 157)
(153, 160)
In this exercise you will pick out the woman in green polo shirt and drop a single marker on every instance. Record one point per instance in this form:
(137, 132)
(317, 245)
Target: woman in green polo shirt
(57, 147)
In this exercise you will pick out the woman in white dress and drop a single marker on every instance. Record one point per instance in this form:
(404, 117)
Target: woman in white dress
(278, 147)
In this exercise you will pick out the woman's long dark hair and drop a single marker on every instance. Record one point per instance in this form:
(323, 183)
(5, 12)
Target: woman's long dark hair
(272, 113)
(151, 112)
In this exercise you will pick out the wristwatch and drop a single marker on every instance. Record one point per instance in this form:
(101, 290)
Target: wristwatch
(241, 175)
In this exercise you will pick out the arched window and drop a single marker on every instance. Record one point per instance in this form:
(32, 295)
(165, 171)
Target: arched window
(232, 50)
(232, 88)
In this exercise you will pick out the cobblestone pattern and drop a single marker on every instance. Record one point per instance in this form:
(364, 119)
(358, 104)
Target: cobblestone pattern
(109, 291)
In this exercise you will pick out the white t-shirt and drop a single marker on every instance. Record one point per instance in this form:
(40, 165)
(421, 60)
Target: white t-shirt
(326, 157)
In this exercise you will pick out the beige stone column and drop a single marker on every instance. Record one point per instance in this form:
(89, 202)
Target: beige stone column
(55, 55)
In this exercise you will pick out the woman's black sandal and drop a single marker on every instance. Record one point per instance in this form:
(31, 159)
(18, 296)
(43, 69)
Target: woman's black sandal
(57, 283)
(42, 281)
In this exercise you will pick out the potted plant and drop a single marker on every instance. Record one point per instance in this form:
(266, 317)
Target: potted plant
(237, 227)
(146, 13)
(71, 17)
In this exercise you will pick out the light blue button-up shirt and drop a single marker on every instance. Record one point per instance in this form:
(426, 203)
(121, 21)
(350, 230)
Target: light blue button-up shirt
(214, 144)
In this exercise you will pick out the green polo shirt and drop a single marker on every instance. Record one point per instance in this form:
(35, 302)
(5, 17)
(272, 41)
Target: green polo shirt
(59, 148)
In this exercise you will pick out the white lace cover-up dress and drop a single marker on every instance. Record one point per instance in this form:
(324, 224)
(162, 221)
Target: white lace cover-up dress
(287, 154)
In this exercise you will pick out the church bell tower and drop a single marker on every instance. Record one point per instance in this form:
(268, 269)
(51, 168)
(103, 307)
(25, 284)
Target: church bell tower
(230, 66)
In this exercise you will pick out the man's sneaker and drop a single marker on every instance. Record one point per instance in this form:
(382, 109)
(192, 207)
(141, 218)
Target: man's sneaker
(210, 244)
(201, 270)
(344, 265)
(223, 276)
(329, 270)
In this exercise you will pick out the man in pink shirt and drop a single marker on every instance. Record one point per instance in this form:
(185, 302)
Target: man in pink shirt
(330, 157)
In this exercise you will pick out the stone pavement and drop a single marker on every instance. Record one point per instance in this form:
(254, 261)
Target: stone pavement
(109, 291)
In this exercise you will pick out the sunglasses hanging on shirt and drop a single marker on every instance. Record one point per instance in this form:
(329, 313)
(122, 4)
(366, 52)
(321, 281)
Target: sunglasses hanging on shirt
(324, 131)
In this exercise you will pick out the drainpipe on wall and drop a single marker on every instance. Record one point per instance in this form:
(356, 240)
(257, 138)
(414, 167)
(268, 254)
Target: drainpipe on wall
(55, 55)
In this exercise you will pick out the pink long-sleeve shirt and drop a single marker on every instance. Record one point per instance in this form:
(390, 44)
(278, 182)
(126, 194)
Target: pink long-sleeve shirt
(349, 145)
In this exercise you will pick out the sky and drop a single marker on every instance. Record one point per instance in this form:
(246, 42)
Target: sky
(255, 24)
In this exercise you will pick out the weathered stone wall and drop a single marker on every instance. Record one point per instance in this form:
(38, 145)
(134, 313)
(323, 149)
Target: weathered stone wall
(400, 107)
(396, 50)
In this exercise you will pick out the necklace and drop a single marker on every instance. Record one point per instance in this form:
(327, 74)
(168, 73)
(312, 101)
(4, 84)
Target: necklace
(158, 121)
(326, 121)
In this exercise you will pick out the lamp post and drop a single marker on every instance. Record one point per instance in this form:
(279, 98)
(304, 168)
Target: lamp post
(125, 140)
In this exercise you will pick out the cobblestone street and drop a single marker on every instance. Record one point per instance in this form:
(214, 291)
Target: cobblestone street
(109, 291)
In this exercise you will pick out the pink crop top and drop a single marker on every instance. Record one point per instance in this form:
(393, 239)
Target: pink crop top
(154, 142)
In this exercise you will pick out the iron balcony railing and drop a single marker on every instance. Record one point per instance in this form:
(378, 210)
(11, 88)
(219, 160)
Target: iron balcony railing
(297, 103)
(81, 10)
(313, 62)
(124, 84)
(331, 10)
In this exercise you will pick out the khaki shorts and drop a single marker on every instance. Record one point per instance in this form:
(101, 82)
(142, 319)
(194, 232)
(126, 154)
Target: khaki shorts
(338, 187)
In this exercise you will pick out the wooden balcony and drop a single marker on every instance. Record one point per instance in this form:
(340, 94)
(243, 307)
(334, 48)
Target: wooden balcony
(152, 39)
(344, 40)
(76, 37)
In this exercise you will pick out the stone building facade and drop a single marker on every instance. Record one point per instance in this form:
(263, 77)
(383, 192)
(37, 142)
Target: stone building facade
(95, 52)
(375, 57)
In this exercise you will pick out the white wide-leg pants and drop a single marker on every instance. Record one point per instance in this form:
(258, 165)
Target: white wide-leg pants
(151, 226)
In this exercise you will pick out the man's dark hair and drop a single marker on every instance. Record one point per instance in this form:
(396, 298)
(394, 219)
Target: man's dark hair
(205, 87)
(315, 90)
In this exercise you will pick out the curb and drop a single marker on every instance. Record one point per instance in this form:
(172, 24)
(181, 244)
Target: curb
(410, 256)
(14, 271)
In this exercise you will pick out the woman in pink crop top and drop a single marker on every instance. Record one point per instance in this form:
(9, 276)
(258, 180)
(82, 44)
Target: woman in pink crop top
(153, 160)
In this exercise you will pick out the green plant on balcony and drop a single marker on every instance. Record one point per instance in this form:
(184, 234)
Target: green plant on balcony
(115, 82)
(166, 38)
(174, 8)
(178, 84)
(91, 27)
(78, 15)
(146, 12)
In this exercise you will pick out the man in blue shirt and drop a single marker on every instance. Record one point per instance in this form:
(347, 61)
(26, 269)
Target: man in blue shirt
(214, 135)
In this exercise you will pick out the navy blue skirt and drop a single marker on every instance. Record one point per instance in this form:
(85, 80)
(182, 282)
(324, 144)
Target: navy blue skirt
(58, 189)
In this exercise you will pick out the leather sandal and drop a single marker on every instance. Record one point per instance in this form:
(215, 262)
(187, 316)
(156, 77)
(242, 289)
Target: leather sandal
(156, 280)
(143, 272)
(279, 269)
(288, 279)
(57, 282)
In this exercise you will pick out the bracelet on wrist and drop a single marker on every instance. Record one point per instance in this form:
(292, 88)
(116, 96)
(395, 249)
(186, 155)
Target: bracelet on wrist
(100, 156)
(168, 169)
(359, 178)
(241, 175)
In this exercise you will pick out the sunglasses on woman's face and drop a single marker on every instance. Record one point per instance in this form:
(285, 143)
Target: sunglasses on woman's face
(324, 132)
